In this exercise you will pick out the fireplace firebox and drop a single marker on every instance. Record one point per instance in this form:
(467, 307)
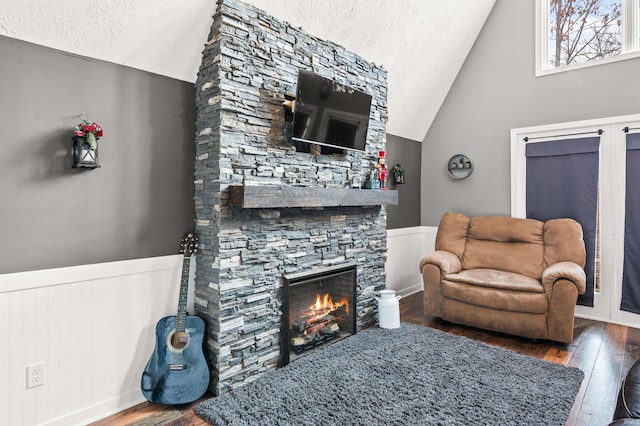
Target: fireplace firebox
(318, 309)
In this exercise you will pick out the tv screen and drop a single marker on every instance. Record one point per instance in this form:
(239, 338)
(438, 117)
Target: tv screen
(330, 114)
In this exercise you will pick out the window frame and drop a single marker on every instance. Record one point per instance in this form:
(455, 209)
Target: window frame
(630, 39)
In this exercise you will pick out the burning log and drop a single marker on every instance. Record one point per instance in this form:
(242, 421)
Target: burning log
(328, 332)
(324, 318)
(297, 341)
(333, 328)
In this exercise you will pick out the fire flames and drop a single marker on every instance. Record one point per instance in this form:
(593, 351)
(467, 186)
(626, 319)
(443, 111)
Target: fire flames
(324, 305)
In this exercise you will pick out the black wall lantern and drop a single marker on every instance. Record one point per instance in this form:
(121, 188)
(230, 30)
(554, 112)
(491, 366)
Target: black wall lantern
(83, 155)
(84, 152)
(398, 174)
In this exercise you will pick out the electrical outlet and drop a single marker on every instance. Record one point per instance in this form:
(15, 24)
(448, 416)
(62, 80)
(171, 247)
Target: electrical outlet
(35, 375)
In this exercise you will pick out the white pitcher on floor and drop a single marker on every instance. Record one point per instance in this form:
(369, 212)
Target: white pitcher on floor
(388, 309)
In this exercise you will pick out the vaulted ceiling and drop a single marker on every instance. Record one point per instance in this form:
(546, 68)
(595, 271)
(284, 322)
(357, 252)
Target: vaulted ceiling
(421, 43)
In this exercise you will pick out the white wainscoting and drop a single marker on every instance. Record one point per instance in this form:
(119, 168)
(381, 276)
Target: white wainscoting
(405, 248)
(94, 328)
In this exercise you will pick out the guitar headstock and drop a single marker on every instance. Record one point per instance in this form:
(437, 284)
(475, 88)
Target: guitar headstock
(189, 245)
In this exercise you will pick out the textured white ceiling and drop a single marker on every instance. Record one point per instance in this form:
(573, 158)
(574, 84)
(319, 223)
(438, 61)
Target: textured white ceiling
(421, 43)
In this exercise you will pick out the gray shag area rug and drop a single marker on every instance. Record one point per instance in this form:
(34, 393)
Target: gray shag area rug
(412, 375)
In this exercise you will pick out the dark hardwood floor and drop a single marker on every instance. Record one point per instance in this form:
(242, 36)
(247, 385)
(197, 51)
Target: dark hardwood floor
(603, 351)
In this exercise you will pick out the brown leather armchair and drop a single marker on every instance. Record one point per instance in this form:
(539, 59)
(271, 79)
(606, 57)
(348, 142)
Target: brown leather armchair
(516, 276)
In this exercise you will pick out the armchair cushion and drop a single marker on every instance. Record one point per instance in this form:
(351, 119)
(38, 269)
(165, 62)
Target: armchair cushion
(495, 289)
(493, 278)
(490, 237)
(563, 242)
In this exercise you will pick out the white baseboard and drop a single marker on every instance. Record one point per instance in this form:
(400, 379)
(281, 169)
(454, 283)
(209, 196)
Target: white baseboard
(408, 291)
(99, 411)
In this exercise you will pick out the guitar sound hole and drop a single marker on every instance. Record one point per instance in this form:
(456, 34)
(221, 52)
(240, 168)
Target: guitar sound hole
(179, 340)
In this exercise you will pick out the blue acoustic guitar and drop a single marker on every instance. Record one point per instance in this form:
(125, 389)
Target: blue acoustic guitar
(177, 372)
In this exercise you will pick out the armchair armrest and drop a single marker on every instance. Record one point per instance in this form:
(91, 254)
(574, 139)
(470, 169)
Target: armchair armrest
(446, 261)
(564, 270)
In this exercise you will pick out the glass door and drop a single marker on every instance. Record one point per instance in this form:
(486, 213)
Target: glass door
(617, 216)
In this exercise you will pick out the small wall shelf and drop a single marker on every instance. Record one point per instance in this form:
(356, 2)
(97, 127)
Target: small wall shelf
(293, 196)
(459, 166)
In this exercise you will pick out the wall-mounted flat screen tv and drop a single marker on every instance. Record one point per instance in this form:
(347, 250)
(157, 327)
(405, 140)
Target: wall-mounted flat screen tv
(330, 114)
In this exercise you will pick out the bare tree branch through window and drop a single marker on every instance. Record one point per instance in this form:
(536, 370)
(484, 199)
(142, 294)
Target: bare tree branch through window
(584, 30)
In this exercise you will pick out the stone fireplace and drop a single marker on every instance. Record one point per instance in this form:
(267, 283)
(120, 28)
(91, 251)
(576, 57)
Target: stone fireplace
(248, 246)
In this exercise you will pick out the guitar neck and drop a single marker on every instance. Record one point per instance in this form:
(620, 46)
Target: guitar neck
(181, 317)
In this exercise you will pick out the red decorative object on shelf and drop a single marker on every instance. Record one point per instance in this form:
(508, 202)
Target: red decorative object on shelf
(382, 169)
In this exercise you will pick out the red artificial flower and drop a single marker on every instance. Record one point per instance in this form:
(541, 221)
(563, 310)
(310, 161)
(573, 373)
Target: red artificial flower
(90, 131)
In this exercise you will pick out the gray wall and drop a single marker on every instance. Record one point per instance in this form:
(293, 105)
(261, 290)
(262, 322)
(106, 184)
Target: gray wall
(495, 91)
(407, 153)
(138, 204)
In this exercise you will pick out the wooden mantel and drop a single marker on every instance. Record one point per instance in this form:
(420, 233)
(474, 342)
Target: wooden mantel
(294, 196)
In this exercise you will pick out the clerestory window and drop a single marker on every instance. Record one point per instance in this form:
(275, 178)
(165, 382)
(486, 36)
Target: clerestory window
(573, 34)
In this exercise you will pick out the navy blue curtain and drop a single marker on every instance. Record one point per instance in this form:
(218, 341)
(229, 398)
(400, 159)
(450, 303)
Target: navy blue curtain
(631, 267)
(562, 181)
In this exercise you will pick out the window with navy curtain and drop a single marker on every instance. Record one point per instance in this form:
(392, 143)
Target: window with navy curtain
(562, 181)
(631, 266)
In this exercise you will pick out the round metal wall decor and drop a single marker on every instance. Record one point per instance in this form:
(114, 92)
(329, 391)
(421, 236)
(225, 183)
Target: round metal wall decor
(460, 166)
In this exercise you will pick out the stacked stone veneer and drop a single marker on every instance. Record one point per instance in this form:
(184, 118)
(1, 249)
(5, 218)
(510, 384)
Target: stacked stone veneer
(250, 62)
